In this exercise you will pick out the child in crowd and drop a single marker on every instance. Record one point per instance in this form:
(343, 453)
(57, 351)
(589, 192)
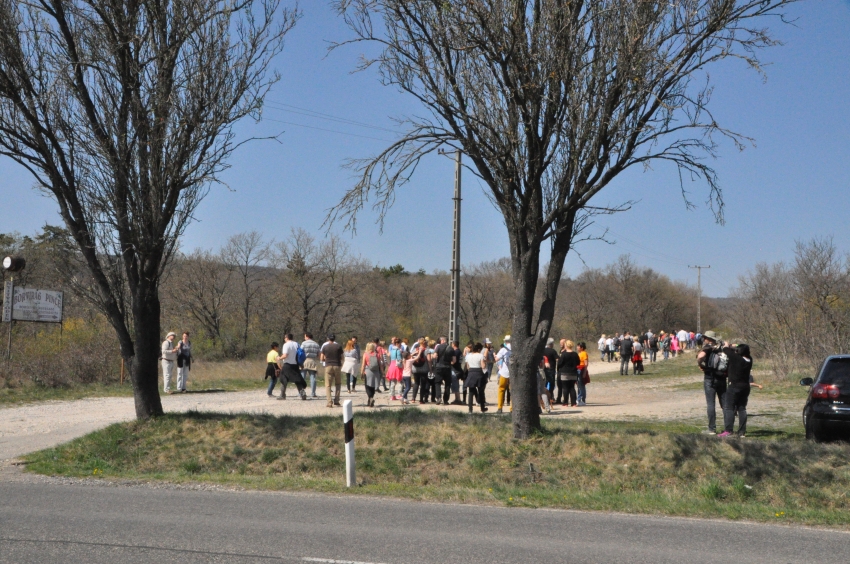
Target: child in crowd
(406, 375)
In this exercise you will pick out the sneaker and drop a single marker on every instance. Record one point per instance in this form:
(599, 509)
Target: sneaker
(281, 397)
(457, 402)
(581, 404)
(484, 410)
(270, 395)
(314, 396)
(499, 410)
(724, 434)
(709, 432)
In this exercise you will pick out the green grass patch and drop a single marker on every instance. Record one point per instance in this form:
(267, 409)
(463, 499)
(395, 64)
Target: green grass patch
(641, 467)
(229, 376)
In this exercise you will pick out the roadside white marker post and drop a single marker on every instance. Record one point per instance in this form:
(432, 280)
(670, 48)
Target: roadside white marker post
(348, 421)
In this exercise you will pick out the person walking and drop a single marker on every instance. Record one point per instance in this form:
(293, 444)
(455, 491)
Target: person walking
(371, 367)
(582, 371)
(665, 344)
(550, 362)
(380, 349)
(740, 367)
(311, 361)
(674, 345)
(290, 371)
(184, 362)
(602, 347)
(444, 359)
(472, 383)
(273, 367)
(567, 373)
(490, 358)
(652, 344)
(406, 376)
(350, 364)
(169, 357)
(626, 351)
(331, 356)
(503, 360)
(714, 378)
(611, 344)
(420, 370)
(394, 368)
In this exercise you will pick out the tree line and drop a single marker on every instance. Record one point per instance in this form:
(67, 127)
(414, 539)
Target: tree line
(236, 299)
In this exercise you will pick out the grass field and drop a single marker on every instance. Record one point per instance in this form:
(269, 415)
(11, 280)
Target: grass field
(228, 375)
(641, 467)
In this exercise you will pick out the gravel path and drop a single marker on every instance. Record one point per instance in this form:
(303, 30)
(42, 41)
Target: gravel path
(34, 427)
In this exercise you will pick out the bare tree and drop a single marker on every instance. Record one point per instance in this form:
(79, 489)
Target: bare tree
(245, 254)
(550, 101)
(123, 111)
(320, 281)
(202, 284)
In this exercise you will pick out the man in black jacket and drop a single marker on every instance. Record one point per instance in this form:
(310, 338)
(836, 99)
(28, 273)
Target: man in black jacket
(626, 351)
(445, 356)
(738, 392)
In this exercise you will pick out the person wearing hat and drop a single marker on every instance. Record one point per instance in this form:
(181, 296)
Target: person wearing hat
(503, 359)
(169, 356)
(490, 360)
(714, 383)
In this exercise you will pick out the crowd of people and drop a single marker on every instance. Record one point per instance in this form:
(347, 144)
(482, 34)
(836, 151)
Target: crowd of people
(443, 373)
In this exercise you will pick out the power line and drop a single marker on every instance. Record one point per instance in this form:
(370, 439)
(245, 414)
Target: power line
(325, 129)
(312, 113)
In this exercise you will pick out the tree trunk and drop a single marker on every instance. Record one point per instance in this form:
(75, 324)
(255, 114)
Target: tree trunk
(524, 345)
(145, 366)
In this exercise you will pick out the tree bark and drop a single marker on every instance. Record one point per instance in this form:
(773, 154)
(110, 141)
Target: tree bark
(145, 366)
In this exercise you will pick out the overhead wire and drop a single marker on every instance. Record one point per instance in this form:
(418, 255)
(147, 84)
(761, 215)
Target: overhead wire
(326, 129)
(321, 115)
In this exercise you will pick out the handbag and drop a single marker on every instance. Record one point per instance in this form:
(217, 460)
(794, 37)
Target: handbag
(585, 377)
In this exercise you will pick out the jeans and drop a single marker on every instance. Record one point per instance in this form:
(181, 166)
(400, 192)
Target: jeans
(476, 393)
(550, 379)
(714, 388)
(652, 354)
(567, 388)
(666, 354)
(417, 382)
(406, 381)
(582, 390)
(182, 376)
(602, 355)
(443, 376)
(272, 384)
(351, 381)
(610, 356)
(312, 380)
(624, 365)
(736, 401)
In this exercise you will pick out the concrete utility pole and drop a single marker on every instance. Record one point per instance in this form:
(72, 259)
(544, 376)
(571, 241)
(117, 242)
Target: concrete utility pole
(455, 298)
(699, 295)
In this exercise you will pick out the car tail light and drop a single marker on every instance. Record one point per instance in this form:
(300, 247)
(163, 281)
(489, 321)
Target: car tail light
(825, 391)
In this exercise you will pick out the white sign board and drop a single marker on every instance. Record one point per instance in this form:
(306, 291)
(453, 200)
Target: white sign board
(32, 304)
(7, 302)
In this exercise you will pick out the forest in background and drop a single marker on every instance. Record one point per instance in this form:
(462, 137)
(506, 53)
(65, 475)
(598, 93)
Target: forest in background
(237, 299)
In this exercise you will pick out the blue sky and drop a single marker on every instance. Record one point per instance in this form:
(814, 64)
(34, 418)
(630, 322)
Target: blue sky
(793, 185)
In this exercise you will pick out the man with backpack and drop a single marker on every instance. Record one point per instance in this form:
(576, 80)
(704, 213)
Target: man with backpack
(445, 358)
(652, 345)
(714, 364)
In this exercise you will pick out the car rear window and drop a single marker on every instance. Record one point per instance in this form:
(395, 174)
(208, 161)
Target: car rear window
(837, 372)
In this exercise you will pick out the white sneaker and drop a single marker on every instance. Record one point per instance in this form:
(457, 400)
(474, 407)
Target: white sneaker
(581, 404)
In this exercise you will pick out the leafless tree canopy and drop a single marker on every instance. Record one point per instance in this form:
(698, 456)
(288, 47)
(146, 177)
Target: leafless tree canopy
(551, 100)
(123, 111)
(797, 314)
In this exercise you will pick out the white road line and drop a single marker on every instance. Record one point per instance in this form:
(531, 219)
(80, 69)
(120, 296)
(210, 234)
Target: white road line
(328, 561)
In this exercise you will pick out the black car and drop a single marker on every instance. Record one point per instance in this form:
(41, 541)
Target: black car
(827, 411)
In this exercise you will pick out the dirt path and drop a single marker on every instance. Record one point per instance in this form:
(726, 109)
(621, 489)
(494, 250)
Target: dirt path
(34, 427)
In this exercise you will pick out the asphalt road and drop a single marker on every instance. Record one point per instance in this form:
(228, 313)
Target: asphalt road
(43, 522)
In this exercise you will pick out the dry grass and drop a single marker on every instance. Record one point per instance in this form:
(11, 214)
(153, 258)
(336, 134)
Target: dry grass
(633, 467)
(227, 375)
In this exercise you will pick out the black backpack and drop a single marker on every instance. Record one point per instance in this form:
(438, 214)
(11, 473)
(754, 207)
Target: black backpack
(445, 354)
(653, 342)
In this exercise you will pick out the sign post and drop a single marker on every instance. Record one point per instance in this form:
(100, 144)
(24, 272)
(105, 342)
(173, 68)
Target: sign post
(8, 293)
(348, 421)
